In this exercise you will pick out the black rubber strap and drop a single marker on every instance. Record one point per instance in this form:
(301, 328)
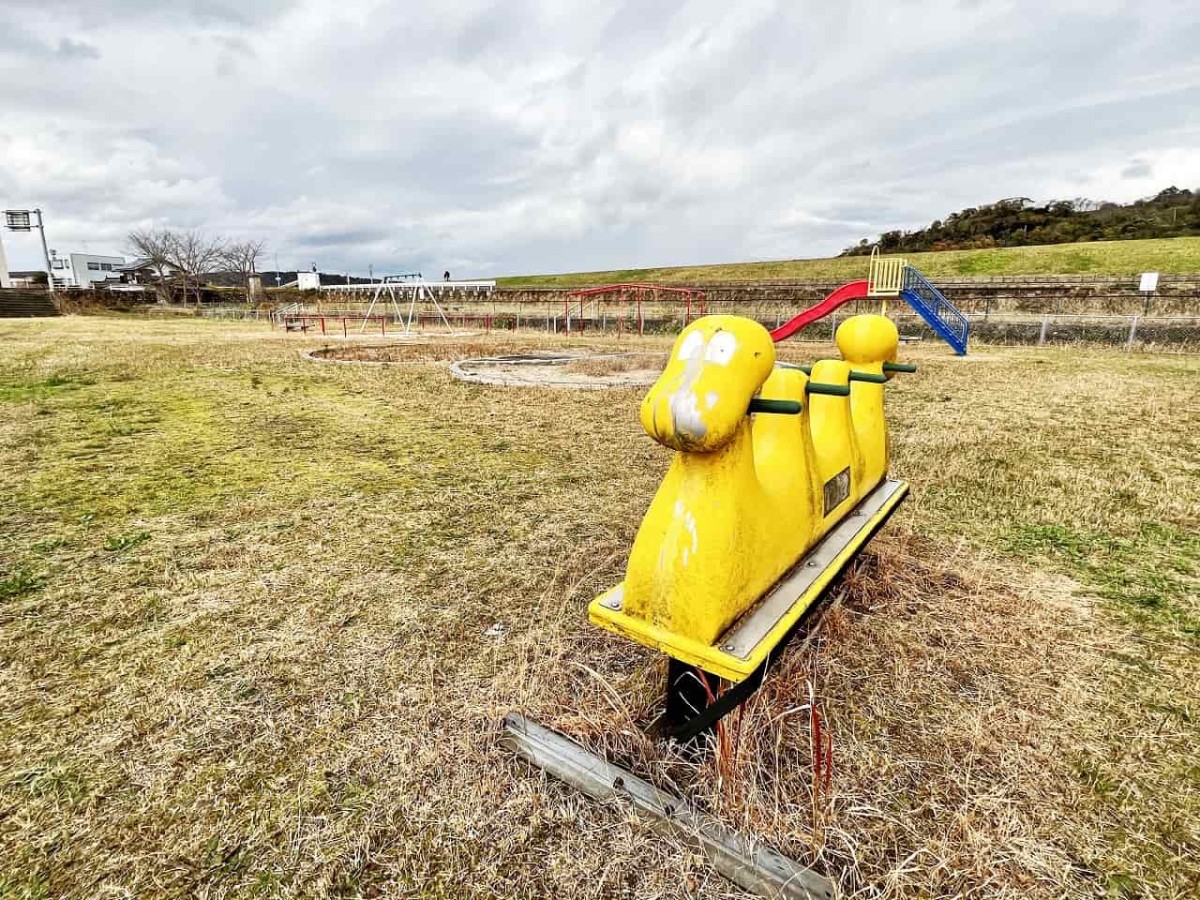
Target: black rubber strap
(779, 407)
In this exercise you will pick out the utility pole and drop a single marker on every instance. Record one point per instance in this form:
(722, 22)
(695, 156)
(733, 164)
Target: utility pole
(45, 252)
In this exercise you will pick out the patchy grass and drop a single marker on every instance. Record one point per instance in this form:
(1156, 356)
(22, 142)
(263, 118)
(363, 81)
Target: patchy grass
(22, 581)
(248, 645)
(1167, 255)
(1154, 574)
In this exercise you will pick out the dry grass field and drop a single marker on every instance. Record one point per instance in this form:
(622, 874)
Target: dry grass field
(259, 617)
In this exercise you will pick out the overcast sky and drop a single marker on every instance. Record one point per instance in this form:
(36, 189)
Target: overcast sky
(493, 138)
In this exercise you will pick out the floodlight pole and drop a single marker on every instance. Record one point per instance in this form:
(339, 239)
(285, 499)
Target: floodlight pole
(45, 252)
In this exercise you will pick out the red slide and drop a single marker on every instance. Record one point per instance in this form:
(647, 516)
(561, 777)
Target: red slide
(847, 292)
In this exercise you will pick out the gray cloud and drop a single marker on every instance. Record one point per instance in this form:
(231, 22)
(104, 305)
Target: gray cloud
(101, 14)
(69, 49)
(490, 137)
(1137, 169)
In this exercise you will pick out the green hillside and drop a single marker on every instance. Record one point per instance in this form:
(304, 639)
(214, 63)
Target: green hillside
(1169, 256)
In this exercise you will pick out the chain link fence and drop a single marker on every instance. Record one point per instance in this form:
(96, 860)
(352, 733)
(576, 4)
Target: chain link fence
(1169, 333)
(1131, 332)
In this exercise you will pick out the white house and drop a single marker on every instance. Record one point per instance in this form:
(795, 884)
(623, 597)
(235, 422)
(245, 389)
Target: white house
(84, 270)
(143, 271)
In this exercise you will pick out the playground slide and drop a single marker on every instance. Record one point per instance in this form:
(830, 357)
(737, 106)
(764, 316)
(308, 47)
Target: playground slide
(853, 291)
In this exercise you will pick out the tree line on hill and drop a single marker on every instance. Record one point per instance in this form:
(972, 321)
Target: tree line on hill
(1018, 222)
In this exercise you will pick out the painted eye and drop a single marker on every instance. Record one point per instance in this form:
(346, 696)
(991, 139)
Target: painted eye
(721, 348)
(691, 346)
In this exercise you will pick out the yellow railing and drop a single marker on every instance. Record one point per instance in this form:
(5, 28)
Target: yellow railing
(886, 275)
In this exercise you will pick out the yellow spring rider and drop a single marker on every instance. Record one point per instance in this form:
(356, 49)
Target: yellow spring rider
(777, 482)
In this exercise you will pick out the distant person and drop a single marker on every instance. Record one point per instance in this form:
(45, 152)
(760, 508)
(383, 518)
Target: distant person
(446, 275)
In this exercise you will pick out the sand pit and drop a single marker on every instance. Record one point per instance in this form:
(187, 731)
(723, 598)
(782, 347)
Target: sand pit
(563, 370)
(448, 348)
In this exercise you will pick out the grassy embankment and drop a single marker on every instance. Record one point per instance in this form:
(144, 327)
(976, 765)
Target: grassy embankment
(258, 617)
(1169, 256)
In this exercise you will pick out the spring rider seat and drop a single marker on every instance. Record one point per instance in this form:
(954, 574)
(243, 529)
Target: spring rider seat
(778, 480)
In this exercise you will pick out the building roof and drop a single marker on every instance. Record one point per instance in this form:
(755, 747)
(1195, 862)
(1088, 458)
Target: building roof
(95, 255)
(134, 265)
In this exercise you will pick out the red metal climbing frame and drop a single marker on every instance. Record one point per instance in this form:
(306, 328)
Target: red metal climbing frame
(693, 299)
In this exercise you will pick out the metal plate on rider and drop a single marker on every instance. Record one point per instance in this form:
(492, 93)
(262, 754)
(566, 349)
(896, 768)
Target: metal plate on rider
(837, 489)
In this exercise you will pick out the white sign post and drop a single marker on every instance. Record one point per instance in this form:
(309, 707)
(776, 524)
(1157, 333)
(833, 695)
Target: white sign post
(1148, 285)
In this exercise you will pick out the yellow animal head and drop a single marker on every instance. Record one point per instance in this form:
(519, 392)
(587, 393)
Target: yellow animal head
(868, 339)
(717, 365)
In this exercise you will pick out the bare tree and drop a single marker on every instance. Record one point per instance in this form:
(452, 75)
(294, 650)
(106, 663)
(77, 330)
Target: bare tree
(193, 254)
(155, 247)
(242, 257)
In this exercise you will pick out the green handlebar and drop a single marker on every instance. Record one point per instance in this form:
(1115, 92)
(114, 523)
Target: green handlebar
(855, 375)
(830, 390)
(781, 407)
